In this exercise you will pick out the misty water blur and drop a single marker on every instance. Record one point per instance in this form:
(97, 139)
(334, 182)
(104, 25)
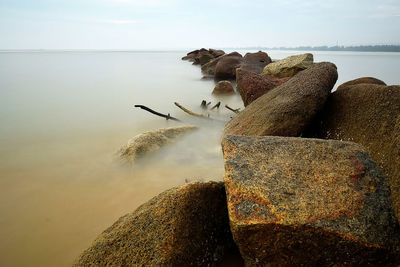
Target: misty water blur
(63, 117)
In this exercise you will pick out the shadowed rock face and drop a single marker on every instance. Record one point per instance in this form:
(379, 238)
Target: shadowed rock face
(287, 109)
(289, 66)
(296, 201)
(369, 80)
(148, 142)
(225, 69)
(368, 114)
(255, 62)
(252, 85)
(183, 226)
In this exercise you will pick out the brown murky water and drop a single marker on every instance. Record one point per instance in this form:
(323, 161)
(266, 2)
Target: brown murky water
(64, 115)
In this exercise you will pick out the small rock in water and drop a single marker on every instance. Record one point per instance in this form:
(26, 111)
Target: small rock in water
(148, 142)
(223, 88)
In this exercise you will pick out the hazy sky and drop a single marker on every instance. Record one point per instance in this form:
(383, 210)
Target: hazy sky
(176, 24)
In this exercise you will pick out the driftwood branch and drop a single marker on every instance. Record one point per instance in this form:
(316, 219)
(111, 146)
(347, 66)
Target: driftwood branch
(191, 112)
(216, 105)
(168, 117)
(234, 110)
(203, 104)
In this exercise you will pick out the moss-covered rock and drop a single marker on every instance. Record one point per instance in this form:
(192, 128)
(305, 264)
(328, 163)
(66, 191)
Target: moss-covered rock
(289, 66)
(183, 226)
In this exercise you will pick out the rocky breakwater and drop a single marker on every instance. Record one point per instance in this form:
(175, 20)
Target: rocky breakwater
(368, 114)
(183, 226)
(289, 108)
(295, 201)
(203, 56)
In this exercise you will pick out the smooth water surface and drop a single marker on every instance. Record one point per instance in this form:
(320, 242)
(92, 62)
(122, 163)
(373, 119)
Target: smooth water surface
(63, 117)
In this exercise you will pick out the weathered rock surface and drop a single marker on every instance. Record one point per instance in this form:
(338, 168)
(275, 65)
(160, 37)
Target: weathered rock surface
(368, 114)
(252, 85)
(289, 66)
(148, 142)
(297, 202)
(223, 88)
(255, 62)
(216, 52)
(369, 80)
(225, 69)
(289, 108)
(202, 56)
(183, 226)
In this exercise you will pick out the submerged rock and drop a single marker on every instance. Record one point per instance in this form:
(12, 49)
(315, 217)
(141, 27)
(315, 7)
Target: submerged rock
(289, 108)
(148, 142)
(255, 62)
(369, 80)
(289, 66)
(183, 226)
(297, 201)
(223, 88)
(368, 114)
(252, 85)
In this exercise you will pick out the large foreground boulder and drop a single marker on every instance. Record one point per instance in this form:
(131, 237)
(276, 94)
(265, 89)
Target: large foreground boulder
(252, 85)
(225, 69)
(183, 226)
(289, 66)
(308, 202)
(369, 80)
(289, 108)
(255, 62)
(148, 142)
(368, 114)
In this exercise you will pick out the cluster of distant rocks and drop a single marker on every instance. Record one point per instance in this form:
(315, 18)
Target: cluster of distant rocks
(312, 177)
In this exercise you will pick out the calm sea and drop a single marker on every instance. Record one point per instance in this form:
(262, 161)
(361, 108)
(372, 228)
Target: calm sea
(64, 115)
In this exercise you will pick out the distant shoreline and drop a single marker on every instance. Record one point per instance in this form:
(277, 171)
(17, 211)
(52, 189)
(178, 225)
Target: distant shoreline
(360, 48)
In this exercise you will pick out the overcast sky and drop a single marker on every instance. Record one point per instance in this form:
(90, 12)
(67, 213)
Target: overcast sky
(182, 24)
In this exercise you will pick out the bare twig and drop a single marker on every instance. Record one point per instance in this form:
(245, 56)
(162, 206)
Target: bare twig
(216, 105)
(168, 117)
(191, 112)
(203, 104)
(234, 110)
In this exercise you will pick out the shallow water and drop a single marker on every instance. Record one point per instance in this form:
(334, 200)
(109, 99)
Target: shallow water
(64, 115)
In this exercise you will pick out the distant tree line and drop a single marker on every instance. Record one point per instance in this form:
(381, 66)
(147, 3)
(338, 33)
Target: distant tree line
(360, 48)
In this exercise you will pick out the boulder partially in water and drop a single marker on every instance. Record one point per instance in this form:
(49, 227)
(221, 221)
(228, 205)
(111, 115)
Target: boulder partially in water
(148, 142)
(223, 88)
(308, 202)
(289, 66)
(225, 69)
(183, 226)
(368, 80)
(255, 62)
(368, 114)
(252, 85)
(289, 108)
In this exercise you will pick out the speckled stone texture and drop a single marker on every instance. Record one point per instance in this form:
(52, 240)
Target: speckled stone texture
(369, 80)
(289, 108)
(368, 114)
(311, 202)
(289, 66)
(183, 226)
(252, 85)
